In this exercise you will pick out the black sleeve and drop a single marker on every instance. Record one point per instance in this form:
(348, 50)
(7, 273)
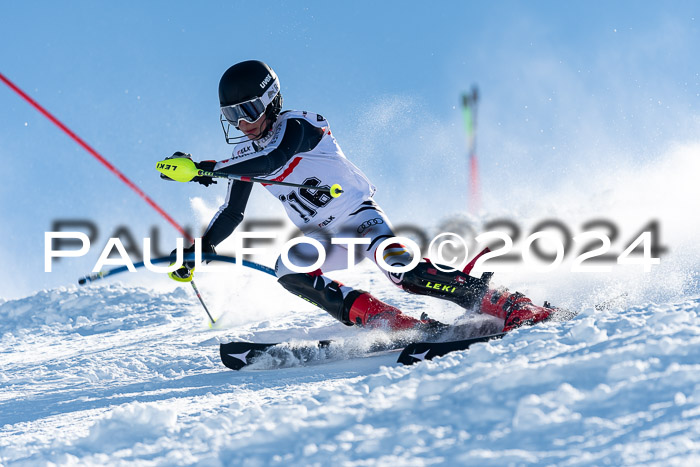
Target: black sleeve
(299, 136)
(229, 215)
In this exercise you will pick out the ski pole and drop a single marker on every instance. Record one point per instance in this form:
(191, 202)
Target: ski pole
(184, 170)
(199, 296)
(209, 256)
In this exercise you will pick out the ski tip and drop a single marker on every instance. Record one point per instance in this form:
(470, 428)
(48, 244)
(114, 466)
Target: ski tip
(236, 355)
(230, 358)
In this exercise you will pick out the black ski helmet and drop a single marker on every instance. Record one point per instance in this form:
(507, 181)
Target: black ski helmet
(253, 84)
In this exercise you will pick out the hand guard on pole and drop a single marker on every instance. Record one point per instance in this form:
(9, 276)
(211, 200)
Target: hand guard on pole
(207, 166)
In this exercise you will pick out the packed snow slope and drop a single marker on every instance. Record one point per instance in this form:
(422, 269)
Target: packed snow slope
(121, 375)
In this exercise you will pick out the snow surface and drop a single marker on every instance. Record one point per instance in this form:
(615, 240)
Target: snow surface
(117, 375)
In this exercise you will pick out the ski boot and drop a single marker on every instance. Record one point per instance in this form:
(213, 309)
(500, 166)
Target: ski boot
(368, 311)
(456, 286)
(515, 309)
(353, 307)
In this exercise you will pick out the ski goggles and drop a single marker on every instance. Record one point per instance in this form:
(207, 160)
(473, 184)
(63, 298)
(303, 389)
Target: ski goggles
(251, 110)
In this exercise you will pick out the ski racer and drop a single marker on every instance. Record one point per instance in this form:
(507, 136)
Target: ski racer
(298, 146)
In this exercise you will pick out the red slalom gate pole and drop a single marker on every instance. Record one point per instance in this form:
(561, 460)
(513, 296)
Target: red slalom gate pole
(111, 168)
(469, 111)
(97, 156)
(475, 192)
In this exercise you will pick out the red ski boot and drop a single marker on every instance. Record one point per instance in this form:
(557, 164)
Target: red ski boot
(353, 307)
(515, 309)
(371, 312)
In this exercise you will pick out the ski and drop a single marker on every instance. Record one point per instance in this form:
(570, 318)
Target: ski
(419, 351)
(238, 354)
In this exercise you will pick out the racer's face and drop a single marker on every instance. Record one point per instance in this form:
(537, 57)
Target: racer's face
(253, 130)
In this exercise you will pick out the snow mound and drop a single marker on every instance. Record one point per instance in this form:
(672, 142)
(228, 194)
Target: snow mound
(74, 307)
(618, 386)
(129, 424)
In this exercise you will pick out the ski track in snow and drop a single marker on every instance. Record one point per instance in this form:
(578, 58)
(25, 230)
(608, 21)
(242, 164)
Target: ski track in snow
(121, 375)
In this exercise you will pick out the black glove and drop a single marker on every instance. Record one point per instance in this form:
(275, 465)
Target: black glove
(207, 166)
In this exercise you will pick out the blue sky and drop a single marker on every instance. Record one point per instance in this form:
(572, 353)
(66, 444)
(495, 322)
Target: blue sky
(565, 86)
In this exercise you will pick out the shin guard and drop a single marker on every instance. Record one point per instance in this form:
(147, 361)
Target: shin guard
(325, 293)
